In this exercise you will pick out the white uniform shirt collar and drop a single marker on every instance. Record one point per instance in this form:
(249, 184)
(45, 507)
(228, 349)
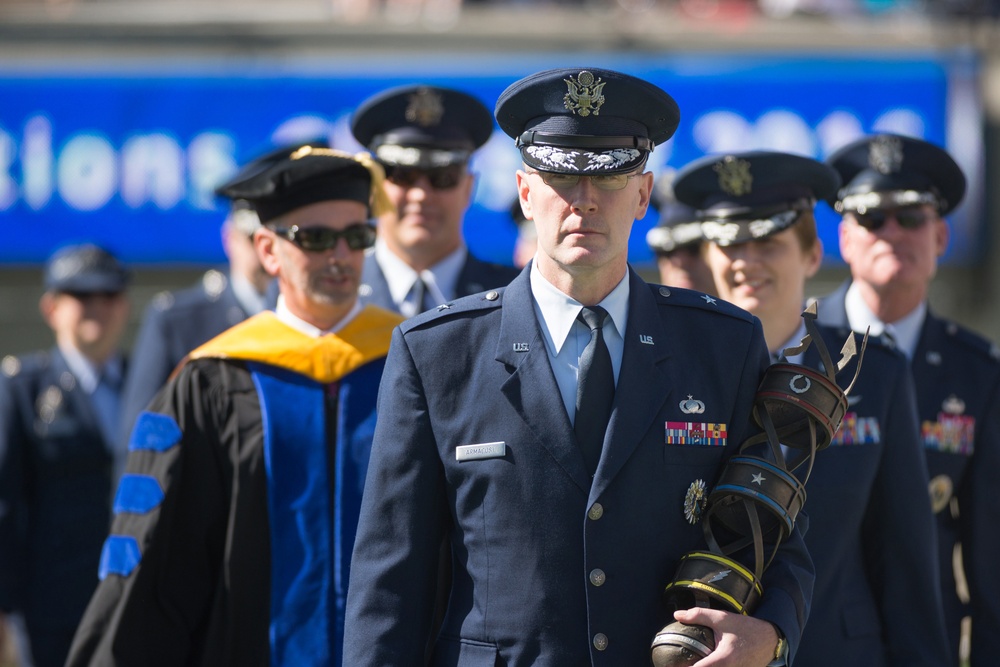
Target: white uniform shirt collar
(86, 373)
(285, 316)
(905, 331)
(559, 311)
(441, 279)
(246, 295)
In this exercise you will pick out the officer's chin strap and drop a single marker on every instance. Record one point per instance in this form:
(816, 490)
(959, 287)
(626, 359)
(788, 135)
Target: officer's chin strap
(805, 402)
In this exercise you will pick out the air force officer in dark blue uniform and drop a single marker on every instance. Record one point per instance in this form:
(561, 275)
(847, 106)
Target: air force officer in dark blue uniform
(871, 533)
(58, 430)
(895, 195)
(424, 137)
(561, 504)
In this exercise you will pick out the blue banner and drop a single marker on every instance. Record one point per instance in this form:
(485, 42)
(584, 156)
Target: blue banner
(129, 158)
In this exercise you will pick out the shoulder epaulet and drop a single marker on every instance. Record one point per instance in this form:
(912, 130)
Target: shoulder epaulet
(677, 296)
(972, 340)
(482, 301)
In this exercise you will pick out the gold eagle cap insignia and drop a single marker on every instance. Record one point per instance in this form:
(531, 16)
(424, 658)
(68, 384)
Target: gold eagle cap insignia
(734, 176)
(425, 108)
(885, 154)
(586, 95)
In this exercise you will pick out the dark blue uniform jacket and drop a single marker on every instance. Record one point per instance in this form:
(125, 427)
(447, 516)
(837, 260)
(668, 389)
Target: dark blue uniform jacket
(548, 568)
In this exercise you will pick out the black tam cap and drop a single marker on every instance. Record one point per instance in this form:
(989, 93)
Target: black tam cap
(890, 170)
(310, 175)
(578, 120)
(422, 126)
(745, 196)
(84, 269)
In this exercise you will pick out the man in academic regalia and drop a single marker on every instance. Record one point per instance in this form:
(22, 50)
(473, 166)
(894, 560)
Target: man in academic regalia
(235, 519)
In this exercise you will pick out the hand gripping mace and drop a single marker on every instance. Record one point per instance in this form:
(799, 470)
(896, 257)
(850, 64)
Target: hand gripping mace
(757, 497)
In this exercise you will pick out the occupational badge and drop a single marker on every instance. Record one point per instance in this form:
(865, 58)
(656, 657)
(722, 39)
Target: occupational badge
(953, 405)
(885, 154)
(734, 176)
(941, 489)
(691, 405)
(425, 108)
(694, 501)
(585, 94)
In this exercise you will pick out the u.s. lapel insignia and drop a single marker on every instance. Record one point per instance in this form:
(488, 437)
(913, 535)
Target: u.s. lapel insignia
(645, 339)
(695, 501)
(941, 489)
(885, 154)
(692, 406)
(520, 347)
(734, 176)
(953, 405)
(425, 108)
(585, 95)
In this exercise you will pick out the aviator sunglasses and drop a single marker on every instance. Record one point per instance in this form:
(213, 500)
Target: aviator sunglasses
(358, 236)
(560, 181)
(440, 178)
(908, 218)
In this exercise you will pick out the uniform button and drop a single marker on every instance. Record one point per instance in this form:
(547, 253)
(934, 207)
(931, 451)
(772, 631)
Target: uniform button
(596, 511)
(597, 577)
(600, 641)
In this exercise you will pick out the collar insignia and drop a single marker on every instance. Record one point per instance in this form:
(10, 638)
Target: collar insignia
(734, 176)
(585, 96)
(425, 108)
(885, 154)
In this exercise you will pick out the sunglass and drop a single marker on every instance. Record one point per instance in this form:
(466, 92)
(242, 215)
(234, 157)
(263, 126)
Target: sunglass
(358, 236)
(602, 181)
(440, 178)
(907, 218)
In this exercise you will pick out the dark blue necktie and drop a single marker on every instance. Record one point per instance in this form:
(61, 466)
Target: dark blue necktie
(595, 390)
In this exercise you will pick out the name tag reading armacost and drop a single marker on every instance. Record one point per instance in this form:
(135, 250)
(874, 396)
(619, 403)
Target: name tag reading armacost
(485, 450)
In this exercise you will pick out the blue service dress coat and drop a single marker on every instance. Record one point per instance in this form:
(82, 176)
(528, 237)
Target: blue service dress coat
(174, 324)
(55, 499)
(877, 600)
(957, 379)
(548, 569)
(475, 276)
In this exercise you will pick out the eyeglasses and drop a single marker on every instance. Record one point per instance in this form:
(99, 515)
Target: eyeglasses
(358, 236)
(907, 218)
(440, 178)
(560, 181)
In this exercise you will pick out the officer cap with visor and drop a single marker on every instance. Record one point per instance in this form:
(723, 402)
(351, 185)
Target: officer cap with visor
(889, 171)
(678, 227)
(84, 269)
(586, 121)
(749, 196)
(422, 126)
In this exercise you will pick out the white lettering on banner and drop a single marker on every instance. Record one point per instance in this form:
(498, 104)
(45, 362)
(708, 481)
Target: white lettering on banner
(88, 171)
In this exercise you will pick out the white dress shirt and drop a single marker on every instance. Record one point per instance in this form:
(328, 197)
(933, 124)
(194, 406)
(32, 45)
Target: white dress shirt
(441, 279)
(905, 332)
(286, 316)
(566, 337)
